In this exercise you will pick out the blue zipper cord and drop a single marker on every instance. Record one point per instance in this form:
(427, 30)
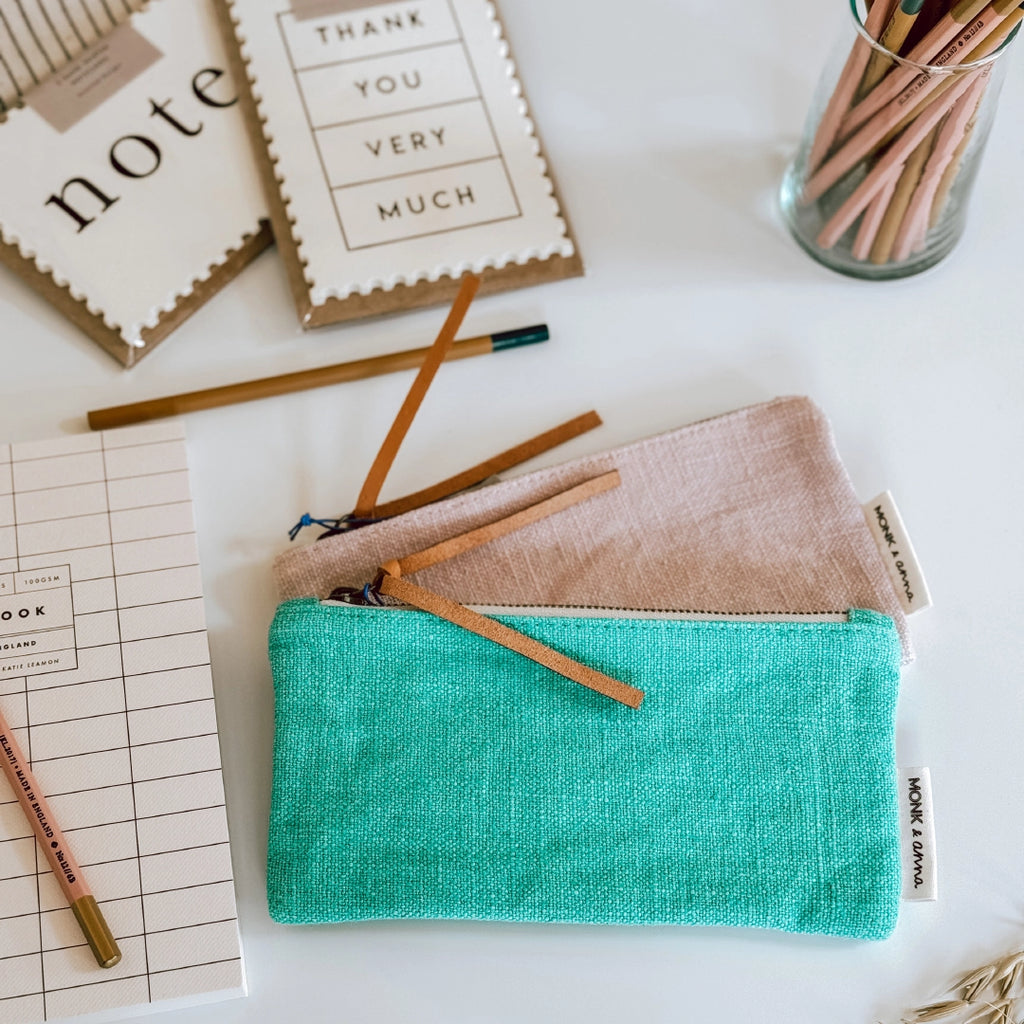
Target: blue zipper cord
(308, 520)
(346, 524)
(365, 595)
(332, 526)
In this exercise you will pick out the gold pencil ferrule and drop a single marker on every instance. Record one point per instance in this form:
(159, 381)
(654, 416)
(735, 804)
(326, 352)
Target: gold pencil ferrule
(97, 934)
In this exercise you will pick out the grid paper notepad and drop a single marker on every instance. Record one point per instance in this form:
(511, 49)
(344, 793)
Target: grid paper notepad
(112, 702)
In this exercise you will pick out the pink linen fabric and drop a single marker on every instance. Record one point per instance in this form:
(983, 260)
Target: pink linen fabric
(750, 512)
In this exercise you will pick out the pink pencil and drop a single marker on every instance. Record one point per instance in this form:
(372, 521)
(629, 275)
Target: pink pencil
(873, 217)
(53, 844)
(955, 38)
(860, 145)
(949, 137)
(849, 80)
(878, 177)
(910, 175)
(918, 233)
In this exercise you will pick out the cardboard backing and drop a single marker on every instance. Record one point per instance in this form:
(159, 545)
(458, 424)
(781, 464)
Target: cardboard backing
(379, 301)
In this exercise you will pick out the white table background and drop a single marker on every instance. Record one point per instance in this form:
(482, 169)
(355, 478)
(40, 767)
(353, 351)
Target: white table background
(668, 125)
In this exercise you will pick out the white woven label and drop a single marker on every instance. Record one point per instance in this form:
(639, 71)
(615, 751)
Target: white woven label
(920, 881)
(897, 552)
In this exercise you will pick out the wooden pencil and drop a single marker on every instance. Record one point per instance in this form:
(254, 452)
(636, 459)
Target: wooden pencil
(870, 223)
(846, 88)
(897, 154)
(54, 846)
(946, 45)
(266, 387)
(906, 185)
(892, 38)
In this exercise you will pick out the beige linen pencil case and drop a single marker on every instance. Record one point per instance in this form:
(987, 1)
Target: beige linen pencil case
(748, 513)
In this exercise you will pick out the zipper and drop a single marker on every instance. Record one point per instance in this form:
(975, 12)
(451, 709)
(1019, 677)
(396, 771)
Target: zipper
(589, 612)
(592, 612)
(391, 588)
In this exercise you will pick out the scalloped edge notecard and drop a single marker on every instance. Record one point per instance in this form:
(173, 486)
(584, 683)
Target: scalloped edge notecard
(128, 193)
(398, 152)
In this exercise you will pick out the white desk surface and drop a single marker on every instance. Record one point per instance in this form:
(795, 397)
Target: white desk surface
(668, 126)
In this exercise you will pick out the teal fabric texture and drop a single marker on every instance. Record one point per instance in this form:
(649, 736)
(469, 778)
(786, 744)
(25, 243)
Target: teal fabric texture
(423, 772)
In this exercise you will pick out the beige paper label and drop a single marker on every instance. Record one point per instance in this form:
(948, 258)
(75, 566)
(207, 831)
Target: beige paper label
(305, 9)
(92, 78)
(37, 621)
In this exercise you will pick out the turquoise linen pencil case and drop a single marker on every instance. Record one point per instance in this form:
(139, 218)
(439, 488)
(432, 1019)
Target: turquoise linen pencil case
(421, 771)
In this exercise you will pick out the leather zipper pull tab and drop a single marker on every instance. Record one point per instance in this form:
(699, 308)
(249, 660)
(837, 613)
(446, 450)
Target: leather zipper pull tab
(513, 640)
(414, 399)
(390, 583)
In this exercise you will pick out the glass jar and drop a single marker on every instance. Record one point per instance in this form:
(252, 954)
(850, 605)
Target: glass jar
(880, 185)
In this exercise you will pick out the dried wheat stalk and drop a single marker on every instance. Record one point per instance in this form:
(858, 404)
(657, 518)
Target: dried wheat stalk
(990, 994)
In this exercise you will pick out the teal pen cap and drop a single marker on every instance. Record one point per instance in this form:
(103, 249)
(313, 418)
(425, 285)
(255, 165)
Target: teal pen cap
(520, 336)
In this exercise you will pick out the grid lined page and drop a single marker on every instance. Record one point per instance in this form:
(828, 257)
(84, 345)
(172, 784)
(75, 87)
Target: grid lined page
(38, 37)
(109, 693)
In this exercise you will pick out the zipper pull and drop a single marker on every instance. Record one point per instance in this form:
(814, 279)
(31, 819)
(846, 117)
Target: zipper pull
(390, 583)
(513, 640)
(368, 511)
